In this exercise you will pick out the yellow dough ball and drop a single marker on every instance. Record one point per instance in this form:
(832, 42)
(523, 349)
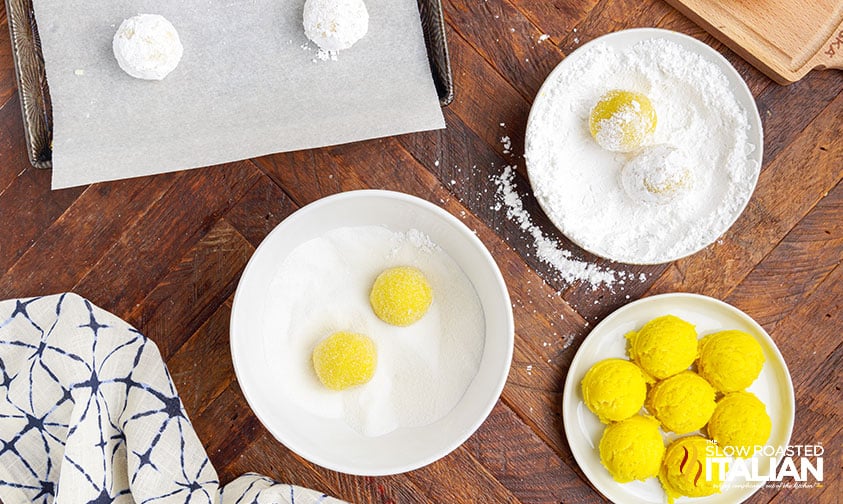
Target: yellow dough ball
(740, 421)
(686, 470)
(730, 360)
(401, 296)
(614, 389)
(622, 121)
(632, 449)
(664, 346)
(683, 403)
(345, 359)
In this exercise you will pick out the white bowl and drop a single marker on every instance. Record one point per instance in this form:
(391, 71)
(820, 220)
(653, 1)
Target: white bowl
(331, 443)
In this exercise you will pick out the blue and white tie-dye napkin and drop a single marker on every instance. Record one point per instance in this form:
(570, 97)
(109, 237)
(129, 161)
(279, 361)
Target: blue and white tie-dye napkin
(89, 414)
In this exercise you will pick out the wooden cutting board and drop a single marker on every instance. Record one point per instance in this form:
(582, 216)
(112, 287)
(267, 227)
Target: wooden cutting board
(785, 39)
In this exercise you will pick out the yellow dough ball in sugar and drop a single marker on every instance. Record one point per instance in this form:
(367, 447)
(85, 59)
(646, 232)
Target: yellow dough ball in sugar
(345, 359)
(401, 296)
(622, 121)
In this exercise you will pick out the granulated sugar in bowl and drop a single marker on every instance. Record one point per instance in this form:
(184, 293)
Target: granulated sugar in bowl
(435, 380)
(422, 370)
(683, 186)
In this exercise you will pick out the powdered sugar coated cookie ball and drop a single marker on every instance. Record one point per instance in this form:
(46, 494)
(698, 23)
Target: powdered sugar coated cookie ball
(622, 121)
(657, 175)
(335, 25)
(147, 46)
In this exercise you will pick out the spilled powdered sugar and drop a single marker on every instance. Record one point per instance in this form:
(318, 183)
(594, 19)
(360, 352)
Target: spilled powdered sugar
(507, 144)
(548, 250)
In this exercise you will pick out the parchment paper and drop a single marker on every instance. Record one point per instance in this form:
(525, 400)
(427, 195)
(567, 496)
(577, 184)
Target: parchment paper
(249, 84)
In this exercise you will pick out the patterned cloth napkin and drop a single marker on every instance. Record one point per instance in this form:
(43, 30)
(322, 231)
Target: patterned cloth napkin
(89, 414)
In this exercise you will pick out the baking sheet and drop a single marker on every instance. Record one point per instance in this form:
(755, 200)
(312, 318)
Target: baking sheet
(249, 84)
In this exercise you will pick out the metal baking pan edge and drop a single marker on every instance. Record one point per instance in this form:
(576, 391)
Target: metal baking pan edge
(36, 108)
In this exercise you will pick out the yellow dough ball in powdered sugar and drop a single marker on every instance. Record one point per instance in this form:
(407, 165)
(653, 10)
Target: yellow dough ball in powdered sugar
(657, 175)
(622, 121)
(335, 25)
(147, 47)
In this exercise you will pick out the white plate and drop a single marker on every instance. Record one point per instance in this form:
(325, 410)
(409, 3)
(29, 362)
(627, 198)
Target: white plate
(583, 429)
(331, 442)
(578, 196)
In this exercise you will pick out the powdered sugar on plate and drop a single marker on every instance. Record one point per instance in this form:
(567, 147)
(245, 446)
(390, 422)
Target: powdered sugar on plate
(700, 112)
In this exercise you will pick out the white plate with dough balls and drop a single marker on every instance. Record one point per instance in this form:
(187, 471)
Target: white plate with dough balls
(643, 146)
(583, 430)
(371, 332)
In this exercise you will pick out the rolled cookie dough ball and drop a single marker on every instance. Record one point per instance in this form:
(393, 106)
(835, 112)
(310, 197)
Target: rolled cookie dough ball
(657, 175)
(147, 46)
(335, 25)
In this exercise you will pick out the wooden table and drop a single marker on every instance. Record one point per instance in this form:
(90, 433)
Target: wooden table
(166, 252)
